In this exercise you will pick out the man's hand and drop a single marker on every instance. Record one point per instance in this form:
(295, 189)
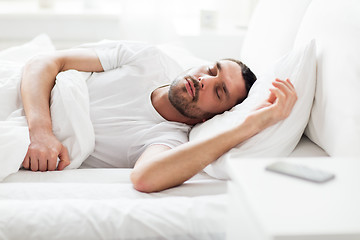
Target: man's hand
(43, 152)
(277, 106)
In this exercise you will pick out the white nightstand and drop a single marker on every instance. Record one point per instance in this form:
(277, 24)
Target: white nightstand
(266, 205)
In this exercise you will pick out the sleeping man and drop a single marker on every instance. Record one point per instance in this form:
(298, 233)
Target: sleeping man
(142, 107)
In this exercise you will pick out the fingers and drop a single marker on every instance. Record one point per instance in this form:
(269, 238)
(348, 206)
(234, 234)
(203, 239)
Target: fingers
(283, 97)
(26, 162)
(51, 161)
(34, 164)
(278, 106)
(276, 95)
(44, 158)
(51, 164)
(42, 164)
(30, 162)
(64, 159)
(272, 97)
(285, 86)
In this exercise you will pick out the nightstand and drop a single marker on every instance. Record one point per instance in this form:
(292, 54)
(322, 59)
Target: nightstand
(265, 205)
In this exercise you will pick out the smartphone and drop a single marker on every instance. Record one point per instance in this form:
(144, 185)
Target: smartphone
(300, 171)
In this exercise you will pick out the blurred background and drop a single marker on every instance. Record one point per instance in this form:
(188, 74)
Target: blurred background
(210, 29)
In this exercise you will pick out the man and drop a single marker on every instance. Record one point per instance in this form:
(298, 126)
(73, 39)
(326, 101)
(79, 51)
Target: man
(139, 120)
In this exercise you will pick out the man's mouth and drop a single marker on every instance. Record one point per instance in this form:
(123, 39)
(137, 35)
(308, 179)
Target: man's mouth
(190, 86)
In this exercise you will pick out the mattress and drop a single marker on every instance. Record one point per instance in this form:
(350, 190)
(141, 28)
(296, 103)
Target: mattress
(102, 204)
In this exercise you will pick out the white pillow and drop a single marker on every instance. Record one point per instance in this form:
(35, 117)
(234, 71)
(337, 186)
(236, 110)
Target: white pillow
(271, 32)
(335, 118)
(278, 140)
(22, 53)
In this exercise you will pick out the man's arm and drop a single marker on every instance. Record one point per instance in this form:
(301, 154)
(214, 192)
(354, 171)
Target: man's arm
(38, 79)
(160, 167)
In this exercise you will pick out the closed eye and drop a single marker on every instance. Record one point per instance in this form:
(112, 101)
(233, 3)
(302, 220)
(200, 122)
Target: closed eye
(217, 93)
(225, 89)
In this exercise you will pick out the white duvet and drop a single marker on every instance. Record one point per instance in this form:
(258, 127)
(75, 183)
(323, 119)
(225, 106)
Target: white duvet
(69, 112)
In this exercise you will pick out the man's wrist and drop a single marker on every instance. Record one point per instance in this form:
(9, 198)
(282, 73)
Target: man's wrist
(40, 127)
(258, 121)
(248, 128)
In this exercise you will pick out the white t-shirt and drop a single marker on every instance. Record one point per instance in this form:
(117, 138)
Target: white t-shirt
(124, 119)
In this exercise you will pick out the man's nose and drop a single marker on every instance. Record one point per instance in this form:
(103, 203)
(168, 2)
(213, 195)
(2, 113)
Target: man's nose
(205, 82)
(201, 82)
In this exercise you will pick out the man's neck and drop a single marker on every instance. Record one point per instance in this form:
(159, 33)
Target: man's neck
(162, 104)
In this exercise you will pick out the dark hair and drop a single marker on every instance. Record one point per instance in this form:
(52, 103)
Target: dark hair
(247, 74)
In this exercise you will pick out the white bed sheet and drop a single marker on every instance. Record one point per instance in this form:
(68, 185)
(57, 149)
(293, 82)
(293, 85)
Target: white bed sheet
(102, 204)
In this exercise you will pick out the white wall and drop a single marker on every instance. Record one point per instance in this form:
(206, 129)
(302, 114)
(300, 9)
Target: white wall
(71, 22)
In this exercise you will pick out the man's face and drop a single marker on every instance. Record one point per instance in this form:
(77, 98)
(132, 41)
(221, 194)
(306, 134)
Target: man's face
(203, 92)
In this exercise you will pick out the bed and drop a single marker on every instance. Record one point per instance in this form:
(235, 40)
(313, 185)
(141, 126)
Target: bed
(102, 204)
(90, 203)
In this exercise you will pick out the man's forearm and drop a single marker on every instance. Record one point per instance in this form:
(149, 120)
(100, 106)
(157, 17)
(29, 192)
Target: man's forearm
(37, 81)
(39, 78)
(173, 167)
